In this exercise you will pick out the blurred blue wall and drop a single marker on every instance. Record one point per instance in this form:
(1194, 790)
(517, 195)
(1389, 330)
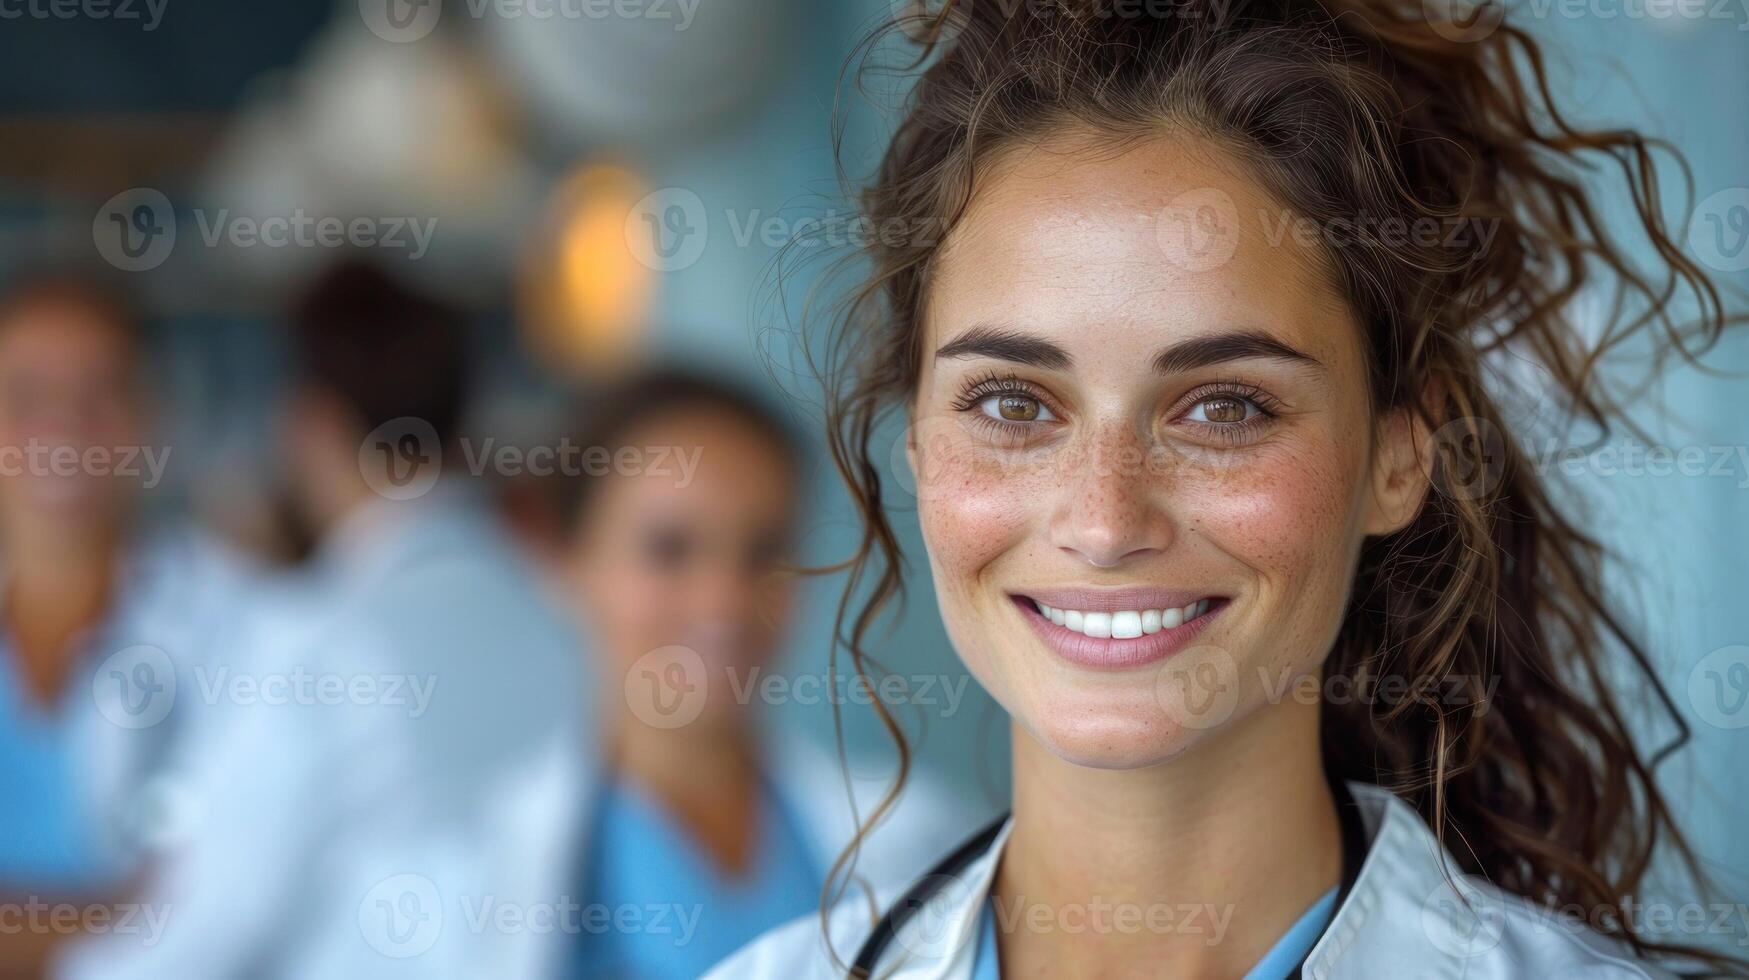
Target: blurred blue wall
(1683, 540)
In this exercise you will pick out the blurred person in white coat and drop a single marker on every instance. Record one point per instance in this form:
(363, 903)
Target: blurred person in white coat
(702, 821)
(104, 616)
(340, 806)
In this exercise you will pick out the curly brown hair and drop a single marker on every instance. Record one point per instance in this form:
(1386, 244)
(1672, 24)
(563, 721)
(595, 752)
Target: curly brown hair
(1350, 108)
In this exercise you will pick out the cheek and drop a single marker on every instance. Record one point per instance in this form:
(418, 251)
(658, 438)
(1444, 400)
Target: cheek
(626, 603)
(972, 509)
(771, 607)
(1290, 516)
(1281, 510)
(973, 512)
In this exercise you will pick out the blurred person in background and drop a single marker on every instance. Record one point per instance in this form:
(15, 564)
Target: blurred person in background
(102, 619)
(683, 518)
(343, 822)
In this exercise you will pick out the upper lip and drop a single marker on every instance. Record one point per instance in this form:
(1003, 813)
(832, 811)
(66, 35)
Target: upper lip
(1086, 599)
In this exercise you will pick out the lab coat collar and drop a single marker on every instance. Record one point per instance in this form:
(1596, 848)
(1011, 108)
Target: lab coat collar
(1400, 918)
(375, 534)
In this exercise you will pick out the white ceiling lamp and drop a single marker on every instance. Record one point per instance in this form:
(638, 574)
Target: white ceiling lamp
(623, 72)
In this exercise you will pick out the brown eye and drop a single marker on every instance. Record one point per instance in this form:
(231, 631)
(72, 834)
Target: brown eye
(1018, 408)
(1223, 410)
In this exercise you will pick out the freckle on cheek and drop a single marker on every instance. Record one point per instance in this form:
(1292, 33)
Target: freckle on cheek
(1274, 516)
(972, 514)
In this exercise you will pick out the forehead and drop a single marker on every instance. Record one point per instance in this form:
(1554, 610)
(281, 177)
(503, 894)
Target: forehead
(56, 331)
(702, 460)
(1079, 238)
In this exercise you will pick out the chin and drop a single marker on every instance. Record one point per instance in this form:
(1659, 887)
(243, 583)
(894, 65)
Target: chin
(1118, 730)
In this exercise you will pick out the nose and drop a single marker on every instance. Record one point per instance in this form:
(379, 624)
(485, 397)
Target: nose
(1110, 505)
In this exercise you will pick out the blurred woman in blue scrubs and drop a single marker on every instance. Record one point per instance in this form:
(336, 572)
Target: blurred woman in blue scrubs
(703, 831)
(97, 618)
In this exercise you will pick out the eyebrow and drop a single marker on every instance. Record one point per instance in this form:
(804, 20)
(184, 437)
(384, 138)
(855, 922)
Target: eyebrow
(1008, 345)
(1231, 346)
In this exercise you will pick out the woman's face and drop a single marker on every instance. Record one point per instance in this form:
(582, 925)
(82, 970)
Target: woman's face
(68, 384)
(688, 552)
(1144, 406)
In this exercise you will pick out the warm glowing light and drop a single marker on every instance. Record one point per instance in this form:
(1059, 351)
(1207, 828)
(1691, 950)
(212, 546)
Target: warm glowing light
(586, 297)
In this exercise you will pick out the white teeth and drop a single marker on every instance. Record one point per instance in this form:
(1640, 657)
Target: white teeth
(1126, 625)
(1122, 624)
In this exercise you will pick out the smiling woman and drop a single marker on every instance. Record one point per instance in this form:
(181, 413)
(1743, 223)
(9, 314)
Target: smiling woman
(1176, 463)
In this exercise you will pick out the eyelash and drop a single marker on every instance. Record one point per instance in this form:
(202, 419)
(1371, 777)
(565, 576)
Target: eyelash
(988, 385)
(1233, 433)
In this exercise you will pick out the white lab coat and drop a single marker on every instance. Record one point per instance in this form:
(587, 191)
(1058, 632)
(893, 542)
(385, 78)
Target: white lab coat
(1401, 919)
(294, 805)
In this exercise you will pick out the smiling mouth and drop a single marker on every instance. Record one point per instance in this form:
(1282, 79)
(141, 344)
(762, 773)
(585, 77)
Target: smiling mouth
(1122, 624)
(1119, 630)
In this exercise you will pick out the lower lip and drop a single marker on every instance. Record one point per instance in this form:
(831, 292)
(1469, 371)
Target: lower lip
(1113, 653)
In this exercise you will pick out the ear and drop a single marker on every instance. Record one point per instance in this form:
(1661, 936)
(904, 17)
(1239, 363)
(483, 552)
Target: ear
(1399, 477)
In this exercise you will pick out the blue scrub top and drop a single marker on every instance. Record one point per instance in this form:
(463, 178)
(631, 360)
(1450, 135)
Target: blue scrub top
(48, 825)
(73, 776)
(1286, 954)
(684, 915)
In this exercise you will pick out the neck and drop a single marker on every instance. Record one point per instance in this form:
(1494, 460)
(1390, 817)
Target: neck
(706, 777)
(55, 591)
(335, 500)
(1224, 846)
(683, 763)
